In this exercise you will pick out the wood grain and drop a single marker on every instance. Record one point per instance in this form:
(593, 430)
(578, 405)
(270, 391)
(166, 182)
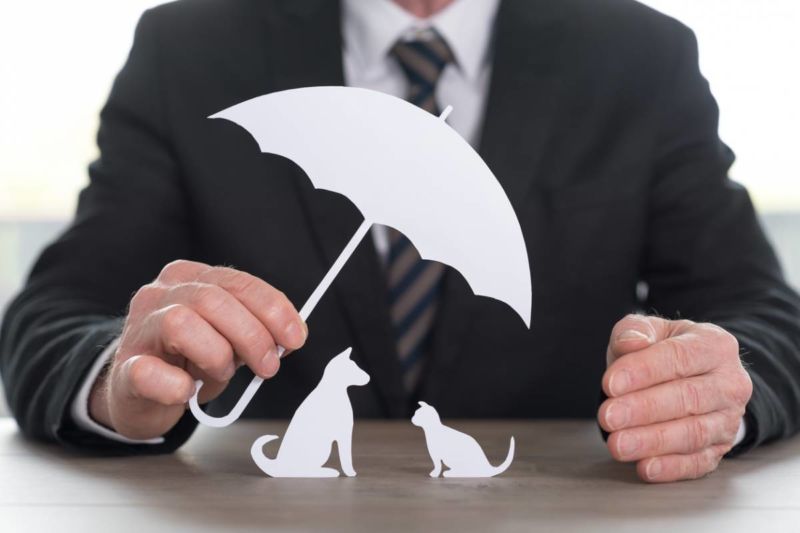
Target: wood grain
(562, 479)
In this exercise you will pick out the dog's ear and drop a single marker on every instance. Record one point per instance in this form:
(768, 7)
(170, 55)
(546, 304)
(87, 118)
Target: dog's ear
(345, 354)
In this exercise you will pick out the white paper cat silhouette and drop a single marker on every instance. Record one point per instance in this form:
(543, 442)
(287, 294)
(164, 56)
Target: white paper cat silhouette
(324, 417)
(458, 451)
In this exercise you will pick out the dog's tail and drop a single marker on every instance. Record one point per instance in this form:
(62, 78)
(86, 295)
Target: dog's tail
(266, 464)
(505, 464)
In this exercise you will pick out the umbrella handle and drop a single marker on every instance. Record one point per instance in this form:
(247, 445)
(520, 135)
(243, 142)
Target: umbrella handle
(305, 311)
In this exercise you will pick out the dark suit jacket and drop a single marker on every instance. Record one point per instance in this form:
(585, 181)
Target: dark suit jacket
(599, 127)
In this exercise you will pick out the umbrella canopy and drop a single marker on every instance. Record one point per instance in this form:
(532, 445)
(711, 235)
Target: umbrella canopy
(401, 167)
(404, 168)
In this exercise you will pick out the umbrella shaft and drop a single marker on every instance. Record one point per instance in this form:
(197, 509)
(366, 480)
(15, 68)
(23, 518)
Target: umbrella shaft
(326, 282)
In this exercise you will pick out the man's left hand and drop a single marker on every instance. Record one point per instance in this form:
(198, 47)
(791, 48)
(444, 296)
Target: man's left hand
(677, 392)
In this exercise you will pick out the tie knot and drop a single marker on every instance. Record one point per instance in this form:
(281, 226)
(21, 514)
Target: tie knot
(423, 61)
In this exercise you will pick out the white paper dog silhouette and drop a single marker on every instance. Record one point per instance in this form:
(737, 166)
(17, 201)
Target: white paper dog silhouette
(324, 417)
(458, 451)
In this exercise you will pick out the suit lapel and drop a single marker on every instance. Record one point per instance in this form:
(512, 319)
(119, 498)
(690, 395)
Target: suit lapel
(521, 105)
(305, 47)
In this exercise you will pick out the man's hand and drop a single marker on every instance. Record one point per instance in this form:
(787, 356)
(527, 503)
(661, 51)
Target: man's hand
(193, 322)
(677, 392)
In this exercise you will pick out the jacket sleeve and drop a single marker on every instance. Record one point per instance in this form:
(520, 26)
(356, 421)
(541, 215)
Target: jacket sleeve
(131, 220)
(707, 258)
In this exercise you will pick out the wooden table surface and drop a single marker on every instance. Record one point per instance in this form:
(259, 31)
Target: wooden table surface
(562, 479)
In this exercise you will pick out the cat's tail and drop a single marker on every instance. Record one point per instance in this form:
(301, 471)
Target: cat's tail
(505, 464)
(266, 464)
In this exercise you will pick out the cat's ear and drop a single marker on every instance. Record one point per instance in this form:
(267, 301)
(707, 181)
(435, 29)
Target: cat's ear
(423, 404)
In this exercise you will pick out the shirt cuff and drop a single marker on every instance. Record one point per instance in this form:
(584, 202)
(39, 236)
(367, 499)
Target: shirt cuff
(740, 433)
(80, 406)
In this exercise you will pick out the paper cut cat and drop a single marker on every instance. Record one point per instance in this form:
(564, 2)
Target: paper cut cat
(324, 417)
(458, 451)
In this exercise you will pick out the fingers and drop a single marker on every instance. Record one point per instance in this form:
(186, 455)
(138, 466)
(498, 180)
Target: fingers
(668, 401)
(678, 357)
(148, 396)
(182, 271)
(264, 302)
(145, 377)
(182, 331)
(680, 467)
(267, 303)
(248, 337)
(684, 436)
(631, 334)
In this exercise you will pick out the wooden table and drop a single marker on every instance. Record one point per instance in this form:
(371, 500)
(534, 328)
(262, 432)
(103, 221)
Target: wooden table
(562, 479)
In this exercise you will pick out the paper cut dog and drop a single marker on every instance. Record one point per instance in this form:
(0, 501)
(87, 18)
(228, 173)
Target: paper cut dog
(324, 417)
(458, 451)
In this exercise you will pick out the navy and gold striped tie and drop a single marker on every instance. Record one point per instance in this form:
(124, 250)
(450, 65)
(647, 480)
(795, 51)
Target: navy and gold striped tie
(413, 282)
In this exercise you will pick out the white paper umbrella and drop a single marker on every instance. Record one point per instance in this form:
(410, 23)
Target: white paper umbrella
(401, 167)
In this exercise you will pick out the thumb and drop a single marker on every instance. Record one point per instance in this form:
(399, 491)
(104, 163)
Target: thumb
(147, 396)
(634, 333)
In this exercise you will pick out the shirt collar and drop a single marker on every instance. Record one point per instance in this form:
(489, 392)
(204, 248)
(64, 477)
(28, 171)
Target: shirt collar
(371, 27)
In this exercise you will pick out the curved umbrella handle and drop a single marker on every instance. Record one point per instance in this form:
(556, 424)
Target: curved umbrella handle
(305, 311)
(235, 413)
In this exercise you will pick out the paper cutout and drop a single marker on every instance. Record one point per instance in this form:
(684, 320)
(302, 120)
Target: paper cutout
(401, 167)
(324, 417)
(456, 450)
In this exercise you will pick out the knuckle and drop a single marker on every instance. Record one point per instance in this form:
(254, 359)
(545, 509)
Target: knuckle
(680, 358)
(660, 439)
(174, 321)
(720, 340)
(696, 465)
(208, 299)
(648, 405)
(729, 343)
(691, 398)
(743, 387)
(699, 434)
(257, 342)
(216, 366)
(174, 269)
(730, 427)
(144, 298)
(239, 281)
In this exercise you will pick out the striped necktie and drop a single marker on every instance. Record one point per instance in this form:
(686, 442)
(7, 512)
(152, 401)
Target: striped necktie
(414, 283)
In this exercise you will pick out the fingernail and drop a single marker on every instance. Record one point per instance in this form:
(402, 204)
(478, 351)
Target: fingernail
(269, 363)
(632, 335)
(653, 469)
(617, 415)
(628, 444)
(619, 382)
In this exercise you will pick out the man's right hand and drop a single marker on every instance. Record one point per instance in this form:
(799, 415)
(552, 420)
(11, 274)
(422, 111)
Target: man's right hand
(193, 322)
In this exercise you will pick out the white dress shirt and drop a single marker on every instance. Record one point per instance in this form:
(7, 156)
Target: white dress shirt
(369, 29)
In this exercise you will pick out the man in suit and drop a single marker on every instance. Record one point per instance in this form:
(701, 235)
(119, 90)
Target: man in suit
(591, 113)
